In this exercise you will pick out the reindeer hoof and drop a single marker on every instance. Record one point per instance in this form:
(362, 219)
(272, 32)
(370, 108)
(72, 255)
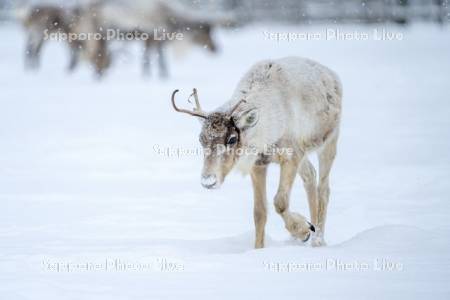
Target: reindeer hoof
(307, 238)
(318, 241)
(311, 227)
(298, 226)
(259, 246)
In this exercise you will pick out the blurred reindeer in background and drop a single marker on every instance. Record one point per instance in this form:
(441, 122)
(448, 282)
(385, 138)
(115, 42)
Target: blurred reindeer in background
(41, 21)
(159, 21)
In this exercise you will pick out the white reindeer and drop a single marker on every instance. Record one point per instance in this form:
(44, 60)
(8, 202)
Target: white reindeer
(281, 111)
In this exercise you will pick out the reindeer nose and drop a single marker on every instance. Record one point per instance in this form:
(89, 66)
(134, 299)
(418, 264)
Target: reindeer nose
(209, 181)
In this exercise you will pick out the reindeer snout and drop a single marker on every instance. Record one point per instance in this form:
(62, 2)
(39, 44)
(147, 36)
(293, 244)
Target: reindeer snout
(210, 181)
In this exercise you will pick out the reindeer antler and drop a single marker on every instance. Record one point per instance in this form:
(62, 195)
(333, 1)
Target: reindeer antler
(236, 107)
(198, 108)
(196, 113)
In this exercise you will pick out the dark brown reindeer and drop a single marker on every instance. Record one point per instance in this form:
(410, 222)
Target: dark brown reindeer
(43, 21)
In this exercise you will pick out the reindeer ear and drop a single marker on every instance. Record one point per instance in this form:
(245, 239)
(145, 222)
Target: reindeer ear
(247, 119)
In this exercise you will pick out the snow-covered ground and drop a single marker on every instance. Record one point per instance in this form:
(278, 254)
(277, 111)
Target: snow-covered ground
(91, 208)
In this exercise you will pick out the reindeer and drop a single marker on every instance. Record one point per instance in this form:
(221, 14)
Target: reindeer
(157, 17)
(43, 20)
(37, 21)
(197, 30)
(286, 104)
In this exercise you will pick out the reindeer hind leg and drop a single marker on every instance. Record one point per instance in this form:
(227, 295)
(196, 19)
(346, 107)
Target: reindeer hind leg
(326, 158)
(146, 59)
(308, 174)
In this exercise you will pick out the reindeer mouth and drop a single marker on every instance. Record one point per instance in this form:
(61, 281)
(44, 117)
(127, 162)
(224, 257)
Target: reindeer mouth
(210, 182)
(213, 186)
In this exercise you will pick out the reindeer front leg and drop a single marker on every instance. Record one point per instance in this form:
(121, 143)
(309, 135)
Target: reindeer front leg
(258, 175)
(295, 223)
(74, 56)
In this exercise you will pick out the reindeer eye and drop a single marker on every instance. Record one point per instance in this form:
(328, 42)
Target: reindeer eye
(232, 140)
